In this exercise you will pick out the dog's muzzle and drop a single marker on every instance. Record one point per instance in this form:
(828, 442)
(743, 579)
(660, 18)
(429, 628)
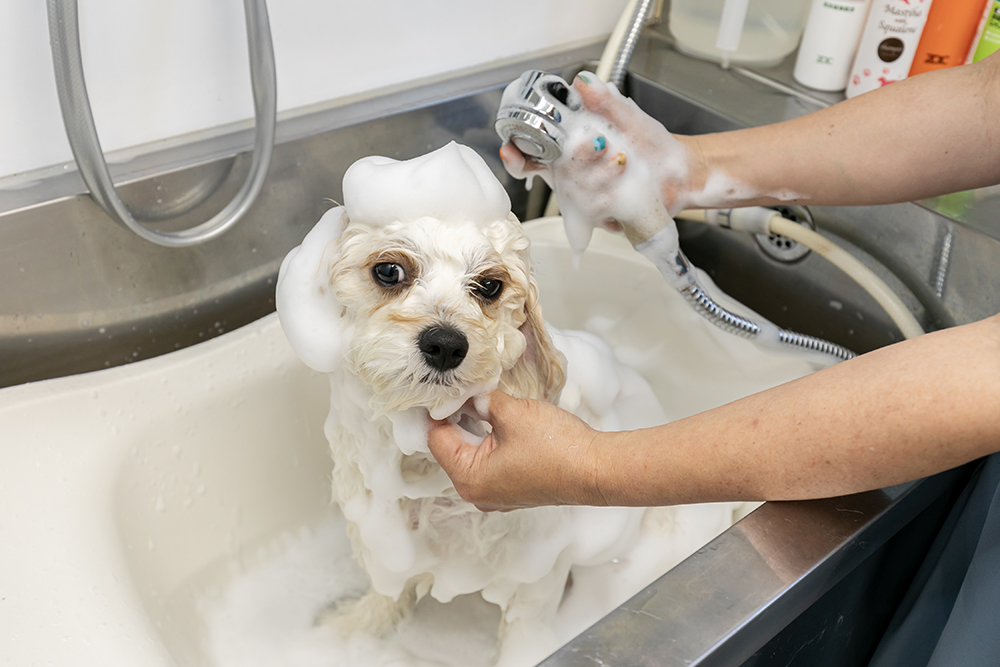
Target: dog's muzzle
(443, 348)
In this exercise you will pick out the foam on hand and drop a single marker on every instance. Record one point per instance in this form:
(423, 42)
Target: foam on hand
(605, 179)
(601, 177)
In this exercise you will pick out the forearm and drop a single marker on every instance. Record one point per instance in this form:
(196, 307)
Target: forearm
(893, 415)
(933, 134)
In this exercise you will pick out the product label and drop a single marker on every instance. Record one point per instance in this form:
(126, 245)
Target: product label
(901, 21)
(839, 7)
(890, 49)
(889, 43)
(990, 40)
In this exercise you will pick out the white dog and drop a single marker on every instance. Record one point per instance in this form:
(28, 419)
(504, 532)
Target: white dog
(417, 297)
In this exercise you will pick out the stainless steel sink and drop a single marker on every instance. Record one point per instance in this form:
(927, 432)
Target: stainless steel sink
(81, 293)
(793, 583)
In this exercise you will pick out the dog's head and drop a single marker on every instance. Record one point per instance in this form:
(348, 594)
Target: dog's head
(432, 278)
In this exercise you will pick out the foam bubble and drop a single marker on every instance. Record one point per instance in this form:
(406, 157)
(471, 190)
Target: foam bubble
(306, 304)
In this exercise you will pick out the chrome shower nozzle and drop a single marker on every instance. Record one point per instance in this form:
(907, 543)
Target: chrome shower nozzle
(531, 112)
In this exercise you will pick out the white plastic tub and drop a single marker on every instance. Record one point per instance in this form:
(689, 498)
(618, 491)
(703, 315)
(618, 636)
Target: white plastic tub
(126, 494)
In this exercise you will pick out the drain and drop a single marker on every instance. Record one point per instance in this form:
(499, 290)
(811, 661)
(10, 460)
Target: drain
(781, 248)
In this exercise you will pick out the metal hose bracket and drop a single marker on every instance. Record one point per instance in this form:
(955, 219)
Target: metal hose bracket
(64, 34)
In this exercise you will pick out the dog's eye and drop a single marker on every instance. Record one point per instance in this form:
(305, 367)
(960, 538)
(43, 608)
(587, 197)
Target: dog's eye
(388, 275)
(489, 289)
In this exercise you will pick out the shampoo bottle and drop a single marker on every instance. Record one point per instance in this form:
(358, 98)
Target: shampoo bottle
(950, 30)
(888, 44)
(829, 43)
(989, 40)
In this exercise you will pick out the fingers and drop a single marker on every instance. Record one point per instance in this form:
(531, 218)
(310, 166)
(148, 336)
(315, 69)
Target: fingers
(602, 99)
(517, 163)
(465, 465)
(450, 449)
(473, 469)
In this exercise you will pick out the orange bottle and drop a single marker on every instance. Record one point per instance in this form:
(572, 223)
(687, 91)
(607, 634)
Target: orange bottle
(947, 37)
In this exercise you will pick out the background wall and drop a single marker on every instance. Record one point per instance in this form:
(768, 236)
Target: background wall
(161, 68)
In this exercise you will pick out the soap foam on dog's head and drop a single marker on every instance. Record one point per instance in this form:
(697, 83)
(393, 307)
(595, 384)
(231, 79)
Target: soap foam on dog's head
(452, 184)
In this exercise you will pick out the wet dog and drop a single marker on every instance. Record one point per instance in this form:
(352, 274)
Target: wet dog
(418, 297)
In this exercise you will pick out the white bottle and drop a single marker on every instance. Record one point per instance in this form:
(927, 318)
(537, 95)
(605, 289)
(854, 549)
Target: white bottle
(829, 43)
(888, 44)
(771, 29)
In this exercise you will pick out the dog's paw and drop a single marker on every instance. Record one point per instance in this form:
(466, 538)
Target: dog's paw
(372, 614)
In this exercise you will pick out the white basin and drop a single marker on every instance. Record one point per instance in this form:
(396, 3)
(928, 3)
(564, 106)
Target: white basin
(126, 494)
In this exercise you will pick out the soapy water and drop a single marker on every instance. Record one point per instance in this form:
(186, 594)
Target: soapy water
(265, 616)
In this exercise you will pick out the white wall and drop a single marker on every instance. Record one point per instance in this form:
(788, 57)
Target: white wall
(161, 68)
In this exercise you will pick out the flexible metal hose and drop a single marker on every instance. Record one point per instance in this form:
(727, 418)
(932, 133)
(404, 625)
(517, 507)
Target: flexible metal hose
(807, 342)
(624, 55)
(661, 249)
(78, 119)
(747, 328)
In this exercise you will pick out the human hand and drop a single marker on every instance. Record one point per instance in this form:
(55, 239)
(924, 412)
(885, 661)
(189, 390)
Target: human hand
(536, 455)
(620, 168)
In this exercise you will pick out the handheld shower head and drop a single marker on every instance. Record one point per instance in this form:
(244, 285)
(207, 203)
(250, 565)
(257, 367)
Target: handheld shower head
(531, 112)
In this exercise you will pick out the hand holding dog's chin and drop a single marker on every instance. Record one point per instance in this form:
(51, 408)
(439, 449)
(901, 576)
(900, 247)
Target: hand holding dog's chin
(536, 455)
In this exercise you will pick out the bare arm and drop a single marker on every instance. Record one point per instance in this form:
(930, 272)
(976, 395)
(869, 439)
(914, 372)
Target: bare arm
(933, 134)
(896, 414)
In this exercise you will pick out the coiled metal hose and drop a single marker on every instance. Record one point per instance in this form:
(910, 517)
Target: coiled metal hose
(746, 328)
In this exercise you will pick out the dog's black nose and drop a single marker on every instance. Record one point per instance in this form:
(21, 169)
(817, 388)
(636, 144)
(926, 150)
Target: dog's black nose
(443, 348)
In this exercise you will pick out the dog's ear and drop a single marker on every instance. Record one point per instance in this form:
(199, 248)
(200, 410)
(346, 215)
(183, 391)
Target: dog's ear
(540, 371)
(541, 360)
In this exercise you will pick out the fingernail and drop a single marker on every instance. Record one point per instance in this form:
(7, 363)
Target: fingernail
(620, 159)
(583, 77)
(600, 143)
